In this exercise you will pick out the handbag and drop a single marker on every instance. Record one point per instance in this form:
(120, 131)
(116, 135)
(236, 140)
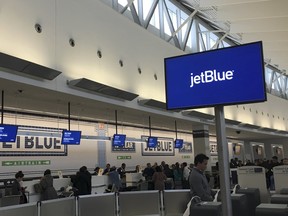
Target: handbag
(38, 188)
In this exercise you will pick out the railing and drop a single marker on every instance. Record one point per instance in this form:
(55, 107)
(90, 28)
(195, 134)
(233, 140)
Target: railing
(170, 202)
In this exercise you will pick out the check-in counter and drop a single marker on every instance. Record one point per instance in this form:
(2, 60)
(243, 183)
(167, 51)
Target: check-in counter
(58, 183)
(133, 178)
(100, 183)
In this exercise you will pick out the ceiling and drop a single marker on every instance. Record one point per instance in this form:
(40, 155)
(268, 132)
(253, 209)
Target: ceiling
(250, 21)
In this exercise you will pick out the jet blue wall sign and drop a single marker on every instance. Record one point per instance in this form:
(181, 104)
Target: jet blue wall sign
(227, 76)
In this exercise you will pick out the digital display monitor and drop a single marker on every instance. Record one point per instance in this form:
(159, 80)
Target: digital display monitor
(178, 143)
(226, 76)
(8, 133)
(152, 142)
(118, 140)
(70, 137)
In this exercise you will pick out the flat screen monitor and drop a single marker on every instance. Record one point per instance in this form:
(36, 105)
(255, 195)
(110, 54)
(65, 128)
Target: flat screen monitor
(118, 140)
(70, 137)
(178, 143)
(152, 142)
(226, 76)
(8, 133)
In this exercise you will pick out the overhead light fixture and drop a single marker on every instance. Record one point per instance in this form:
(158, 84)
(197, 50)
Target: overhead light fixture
(232, 122)
(200, 115)
(249, 126)
(99, 88)
(152, 103)
(21, 66)
(267, 129)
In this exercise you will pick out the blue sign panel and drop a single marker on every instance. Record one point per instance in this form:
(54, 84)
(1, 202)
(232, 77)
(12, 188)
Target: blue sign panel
(152, 142)
(71, 137)
(225, 76)
(179, 143)
(8, 133)
(118, 140)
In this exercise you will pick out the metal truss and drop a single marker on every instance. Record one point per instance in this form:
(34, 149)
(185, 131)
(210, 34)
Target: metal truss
(191, 29)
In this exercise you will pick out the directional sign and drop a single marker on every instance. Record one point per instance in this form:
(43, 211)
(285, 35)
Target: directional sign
(185, 156)
(124, 157)
(26, 163)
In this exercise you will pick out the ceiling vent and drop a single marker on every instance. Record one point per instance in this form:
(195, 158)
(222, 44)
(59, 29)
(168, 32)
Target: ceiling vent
(199, 115)
(21, 66)
(92, 86)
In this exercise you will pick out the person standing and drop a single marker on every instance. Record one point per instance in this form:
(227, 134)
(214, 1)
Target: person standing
(197, 180)
(46, 182)
(17, 188)
(83, 182)
(159, 179)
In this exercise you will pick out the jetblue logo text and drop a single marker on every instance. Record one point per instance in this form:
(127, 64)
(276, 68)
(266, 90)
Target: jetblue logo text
(33, 145)
(209, 76)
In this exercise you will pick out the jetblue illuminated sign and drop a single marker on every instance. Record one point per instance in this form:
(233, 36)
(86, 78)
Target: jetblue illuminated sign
(210, 76)
(225, 76)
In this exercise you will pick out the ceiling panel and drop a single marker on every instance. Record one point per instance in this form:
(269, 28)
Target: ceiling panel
(228, 2)
(254, 20)
(254, 10)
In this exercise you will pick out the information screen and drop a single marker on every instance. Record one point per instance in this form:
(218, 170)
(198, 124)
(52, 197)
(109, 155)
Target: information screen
(178, 143)
(152, 142)
(227, 76)
(71, 137)
(118, 140)
(8, 133)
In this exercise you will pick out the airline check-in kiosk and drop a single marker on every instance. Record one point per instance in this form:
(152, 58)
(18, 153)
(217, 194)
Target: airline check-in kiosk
(265, 209)
(253, 199)
(280, 177)
(254, 177)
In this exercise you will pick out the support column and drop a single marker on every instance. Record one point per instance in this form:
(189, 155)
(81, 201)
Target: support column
(201, 142)
(101, 131)
(247, 151)
(268, 150)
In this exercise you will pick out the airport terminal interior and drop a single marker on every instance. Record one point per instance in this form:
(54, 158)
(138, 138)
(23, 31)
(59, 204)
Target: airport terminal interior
(96, 71)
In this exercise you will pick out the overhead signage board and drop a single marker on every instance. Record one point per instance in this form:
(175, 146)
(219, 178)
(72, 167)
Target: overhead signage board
(165, 147)
(8, 133)
(128, 147)
(71, 137)
(226, 76)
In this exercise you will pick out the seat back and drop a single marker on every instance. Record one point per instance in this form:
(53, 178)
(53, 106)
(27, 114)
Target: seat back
(10, 200)
(58, 207)
(98, 204)
(29, 209)
(139, 203)
(175, 201)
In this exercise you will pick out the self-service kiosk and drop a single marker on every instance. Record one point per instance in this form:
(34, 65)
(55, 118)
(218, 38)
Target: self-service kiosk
(280, 174)
(254, 177)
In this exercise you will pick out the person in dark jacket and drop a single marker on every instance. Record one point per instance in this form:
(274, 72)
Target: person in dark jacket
(83, 181)
(17, 188)
(46, 183)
